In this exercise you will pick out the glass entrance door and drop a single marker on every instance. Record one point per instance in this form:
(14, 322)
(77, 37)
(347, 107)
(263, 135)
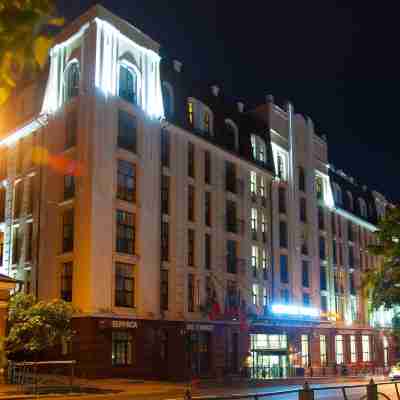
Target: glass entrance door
(269, 366)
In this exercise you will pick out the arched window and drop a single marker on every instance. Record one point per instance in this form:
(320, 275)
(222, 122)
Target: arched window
(363, 207)
(231, 135)
(337, 194)
(168, 97)
(128, 83)
(71, 79)
(350, 203)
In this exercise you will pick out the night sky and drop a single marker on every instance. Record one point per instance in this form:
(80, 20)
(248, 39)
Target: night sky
(336, 62)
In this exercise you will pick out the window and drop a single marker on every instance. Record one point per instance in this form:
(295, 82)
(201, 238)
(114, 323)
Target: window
(253, 184)
(165, 148)
(350, 204)
(122, 348)
(231, 135)
(302, 179)
(190, 292)
(284, 268)
(191, 247)
(18, 197)
(254, 218)
(265, 297)
(353, 349)
(207, 125)
(190, 113)
(322, 248)
(319, 186)
(264, 227)
(264, 263)
(125, 232)
(17, 242)
(321, 221)
(164, 289)
(69, 187)
(68, 231)
(126, 181)
(168, 97)
(305, 274)
(128, 84)
(306, 300)
(255, 295)
(304, 351)
(283, 234)
(207, 167)
(124, 285)
(254, 259)
(323, 350)
(231, 256)
(127, 131)
(191, 200)
(259, 149)
(66, 281)
(207, 208)
(303, 210)
(366, 350)
(281, 167)
(207, 251)
(231, 220)
(262, 190)
(323, 279)
(351, 257)
(304, 242)
(71, 80)
(165, 194)
(339, 349)
(230, 177)
(337, 194)
(324, 305)
(191, 160)
(164, 241)
(29, 239)
(285, 296)
(282, 200)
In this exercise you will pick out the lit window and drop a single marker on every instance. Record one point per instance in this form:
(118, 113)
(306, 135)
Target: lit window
(353, 349)
(258, 148)
(339, 349)
(124, 285)
(190, 113)
(281, 167)
(125, 239)
(71, 80)
(366, 350)
(253, 182)
(255, 294)
(126, 181)
(254, 258)
(128, 84)
(323, 350)
(262, 187)
(122, 348)
(254, 217)
(319, 186)
(304, 351)
(207, 127)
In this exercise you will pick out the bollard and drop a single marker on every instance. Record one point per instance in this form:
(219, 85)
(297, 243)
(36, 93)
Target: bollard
(306, 393)
(372, 390)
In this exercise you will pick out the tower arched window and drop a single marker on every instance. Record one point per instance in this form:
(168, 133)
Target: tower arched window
(363, 208)
(128, 83)
(231, 135)
(168, 97)
(350, 203)
(71, 79)
(337, 194)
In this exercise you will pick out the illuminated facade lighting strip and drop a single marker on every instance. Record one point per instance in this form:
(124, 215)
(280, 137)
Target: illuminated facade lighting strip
(23, 131)
(355, 219)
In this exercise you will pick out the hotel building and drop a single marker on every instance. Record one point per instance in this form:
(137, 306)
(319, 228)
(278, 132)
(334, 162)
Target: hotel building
(192, 235)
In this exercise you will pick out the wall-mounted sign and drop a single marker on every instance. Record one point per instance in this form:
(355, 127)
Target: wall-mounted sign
(117, 324)
(199, 327)
(295, 311)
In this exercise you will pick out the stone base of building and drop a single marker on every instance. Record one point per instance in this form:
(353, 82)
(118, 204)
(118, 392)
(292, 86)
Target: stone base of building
(179, 351)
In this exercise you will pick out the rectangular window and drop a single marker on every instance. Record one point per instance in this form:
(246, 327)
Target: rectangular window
(351, 257)
(164, 241)
(69, 187)
(284, 268)
(230, 177)
(265, 297)
(303, 210)
(255, 295)
(207, 167)
(70, 129)
(126, 232)
(285, 296)
(207, 208)
(323, 279)
(353, 349)
(126, 181)
(231, 220)
(190, 292)
(254, 259)
(164, 289)
(191, 200)
(165, 194)
(321, 221)
(122, 348)
(191, 161)
(305, 274)
(324, 305)
(29, 239)
(264, 265)
(231, 256)
(366, 348)
(322, 248)
(66, 281)
(191, 247)
(124, 285)
(254, 220)
(283, 242)
(18, 197)
(339, 349)
(264, 227)
(352, 284)
(253, 184)
(68, 231)
(323, 350)
(282, 200)
(319, 186)
(304, 351)
(207, 251)
(127, 131)
(190, 113)
(165, 148)
(263, 193)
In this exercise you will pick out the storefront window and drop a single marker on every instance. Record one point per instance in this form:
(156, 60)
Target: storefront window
(199, 353)
(304, 351)
(353, 349)
(322, 350)
(122, 348)
(366, 349)
(269, 342)
(339, 349)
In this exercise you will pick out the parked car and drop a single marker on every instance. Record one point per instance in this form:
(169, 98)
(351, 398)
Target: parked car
(395, 372)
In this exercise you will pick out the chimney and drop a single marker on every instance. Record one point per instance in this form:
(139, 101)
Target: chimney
(240, 106)
(269, 98)
(177, 65)
(215, 90)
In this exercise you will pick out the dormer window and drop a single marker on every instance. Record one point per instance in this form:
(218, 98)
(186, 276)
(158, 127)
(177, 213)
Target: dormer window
(128, 83)
(231, 135)
(258, 148)
(363, 208)
(350, 201)
(71, 79)
(190, 113)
